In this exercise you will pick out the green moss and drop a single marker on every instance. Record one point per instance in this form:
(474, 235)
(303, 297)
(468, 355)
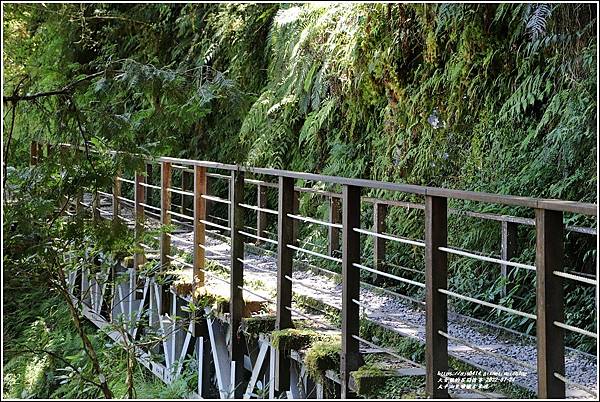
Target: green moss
(322, 356)
(369, 379)
(294, 338)
(253, 326)
(410, 348)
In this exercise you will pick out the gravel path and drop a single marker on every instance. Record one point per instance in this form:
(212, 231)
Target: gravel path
(399, 316)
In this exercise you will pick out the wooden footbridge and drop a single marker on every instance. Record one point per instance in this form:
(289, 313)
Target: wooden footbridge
(235, 363)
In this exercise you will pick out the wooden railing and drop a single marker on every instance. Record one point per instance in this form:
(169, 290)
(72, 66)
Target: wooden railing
(344, 219)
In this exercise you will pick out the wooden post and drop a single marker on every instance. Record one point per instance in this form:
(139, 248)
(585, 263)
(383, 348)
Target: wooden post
(199, 227)
(33, 153)
(64, 155)
(333, 234)
(508, 250)
(115, 197)
(285, 237)
(550, 303)
(79, 195)
(350, 358)
(165, 241)
(96, 204)
(40, 152)
(185, 184)
(229, 185)
(236, 301)
(379, 215)
(295, 221)
(139, 216)
(436, 277)
(199, 239)
(261, 217)
(149, 181)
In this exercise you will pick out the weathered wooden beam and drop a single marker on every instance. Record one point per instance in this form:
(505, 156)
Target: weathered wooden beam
(165, 240)
(96, 205)
(199, 227)
(116, 193)
(508, 250)
(149, 181)
(33, 153)
(295, 222)
(379, 215)
(436, 277)
(350, 357)
(285, 237)
(139, 195)
(550, 303)
(236, 301)
(261, 217)
(79, 195)
(185, 185)
(333, 234)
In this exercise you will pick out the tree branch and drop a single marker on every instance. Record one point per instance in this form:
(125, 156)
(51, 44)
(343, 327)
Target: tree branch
(66, 90)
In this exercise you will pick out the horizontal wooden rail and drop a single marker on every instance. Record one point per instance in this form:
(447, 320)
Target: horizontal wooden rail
(529, 202)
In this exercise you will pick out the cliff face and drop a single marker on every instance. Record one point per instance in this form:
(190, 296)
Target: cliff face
(494, 98)
(490, 97)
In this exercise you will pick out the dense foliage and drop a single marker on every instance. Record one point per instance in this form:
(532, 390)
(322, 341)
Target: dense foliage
(488, 97)
(462, 96)
(44, 352)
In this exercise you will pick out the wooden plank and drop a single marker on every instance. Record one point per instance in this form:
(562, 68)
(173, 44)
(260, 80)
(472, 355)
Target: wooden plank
(40, 152)
(96, 205)
(261, 217)
(199, 228)
(116, 193)
(79, 194)
(379, 215)
(185, 185)
(165, 241)
(508, 250)
(33, 153)
(333, 234)
(285, 237)
(436, 277)
(295, 222)
(149, 181)
(139, 196)
(236, 302)
(350, 357)
(550, 303)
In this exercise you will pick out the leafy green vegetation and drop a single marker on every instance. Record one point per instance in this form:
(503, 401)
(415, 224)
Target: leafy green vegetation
(253, 326)
(43, 358)
(294, 338)
(372, 381)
